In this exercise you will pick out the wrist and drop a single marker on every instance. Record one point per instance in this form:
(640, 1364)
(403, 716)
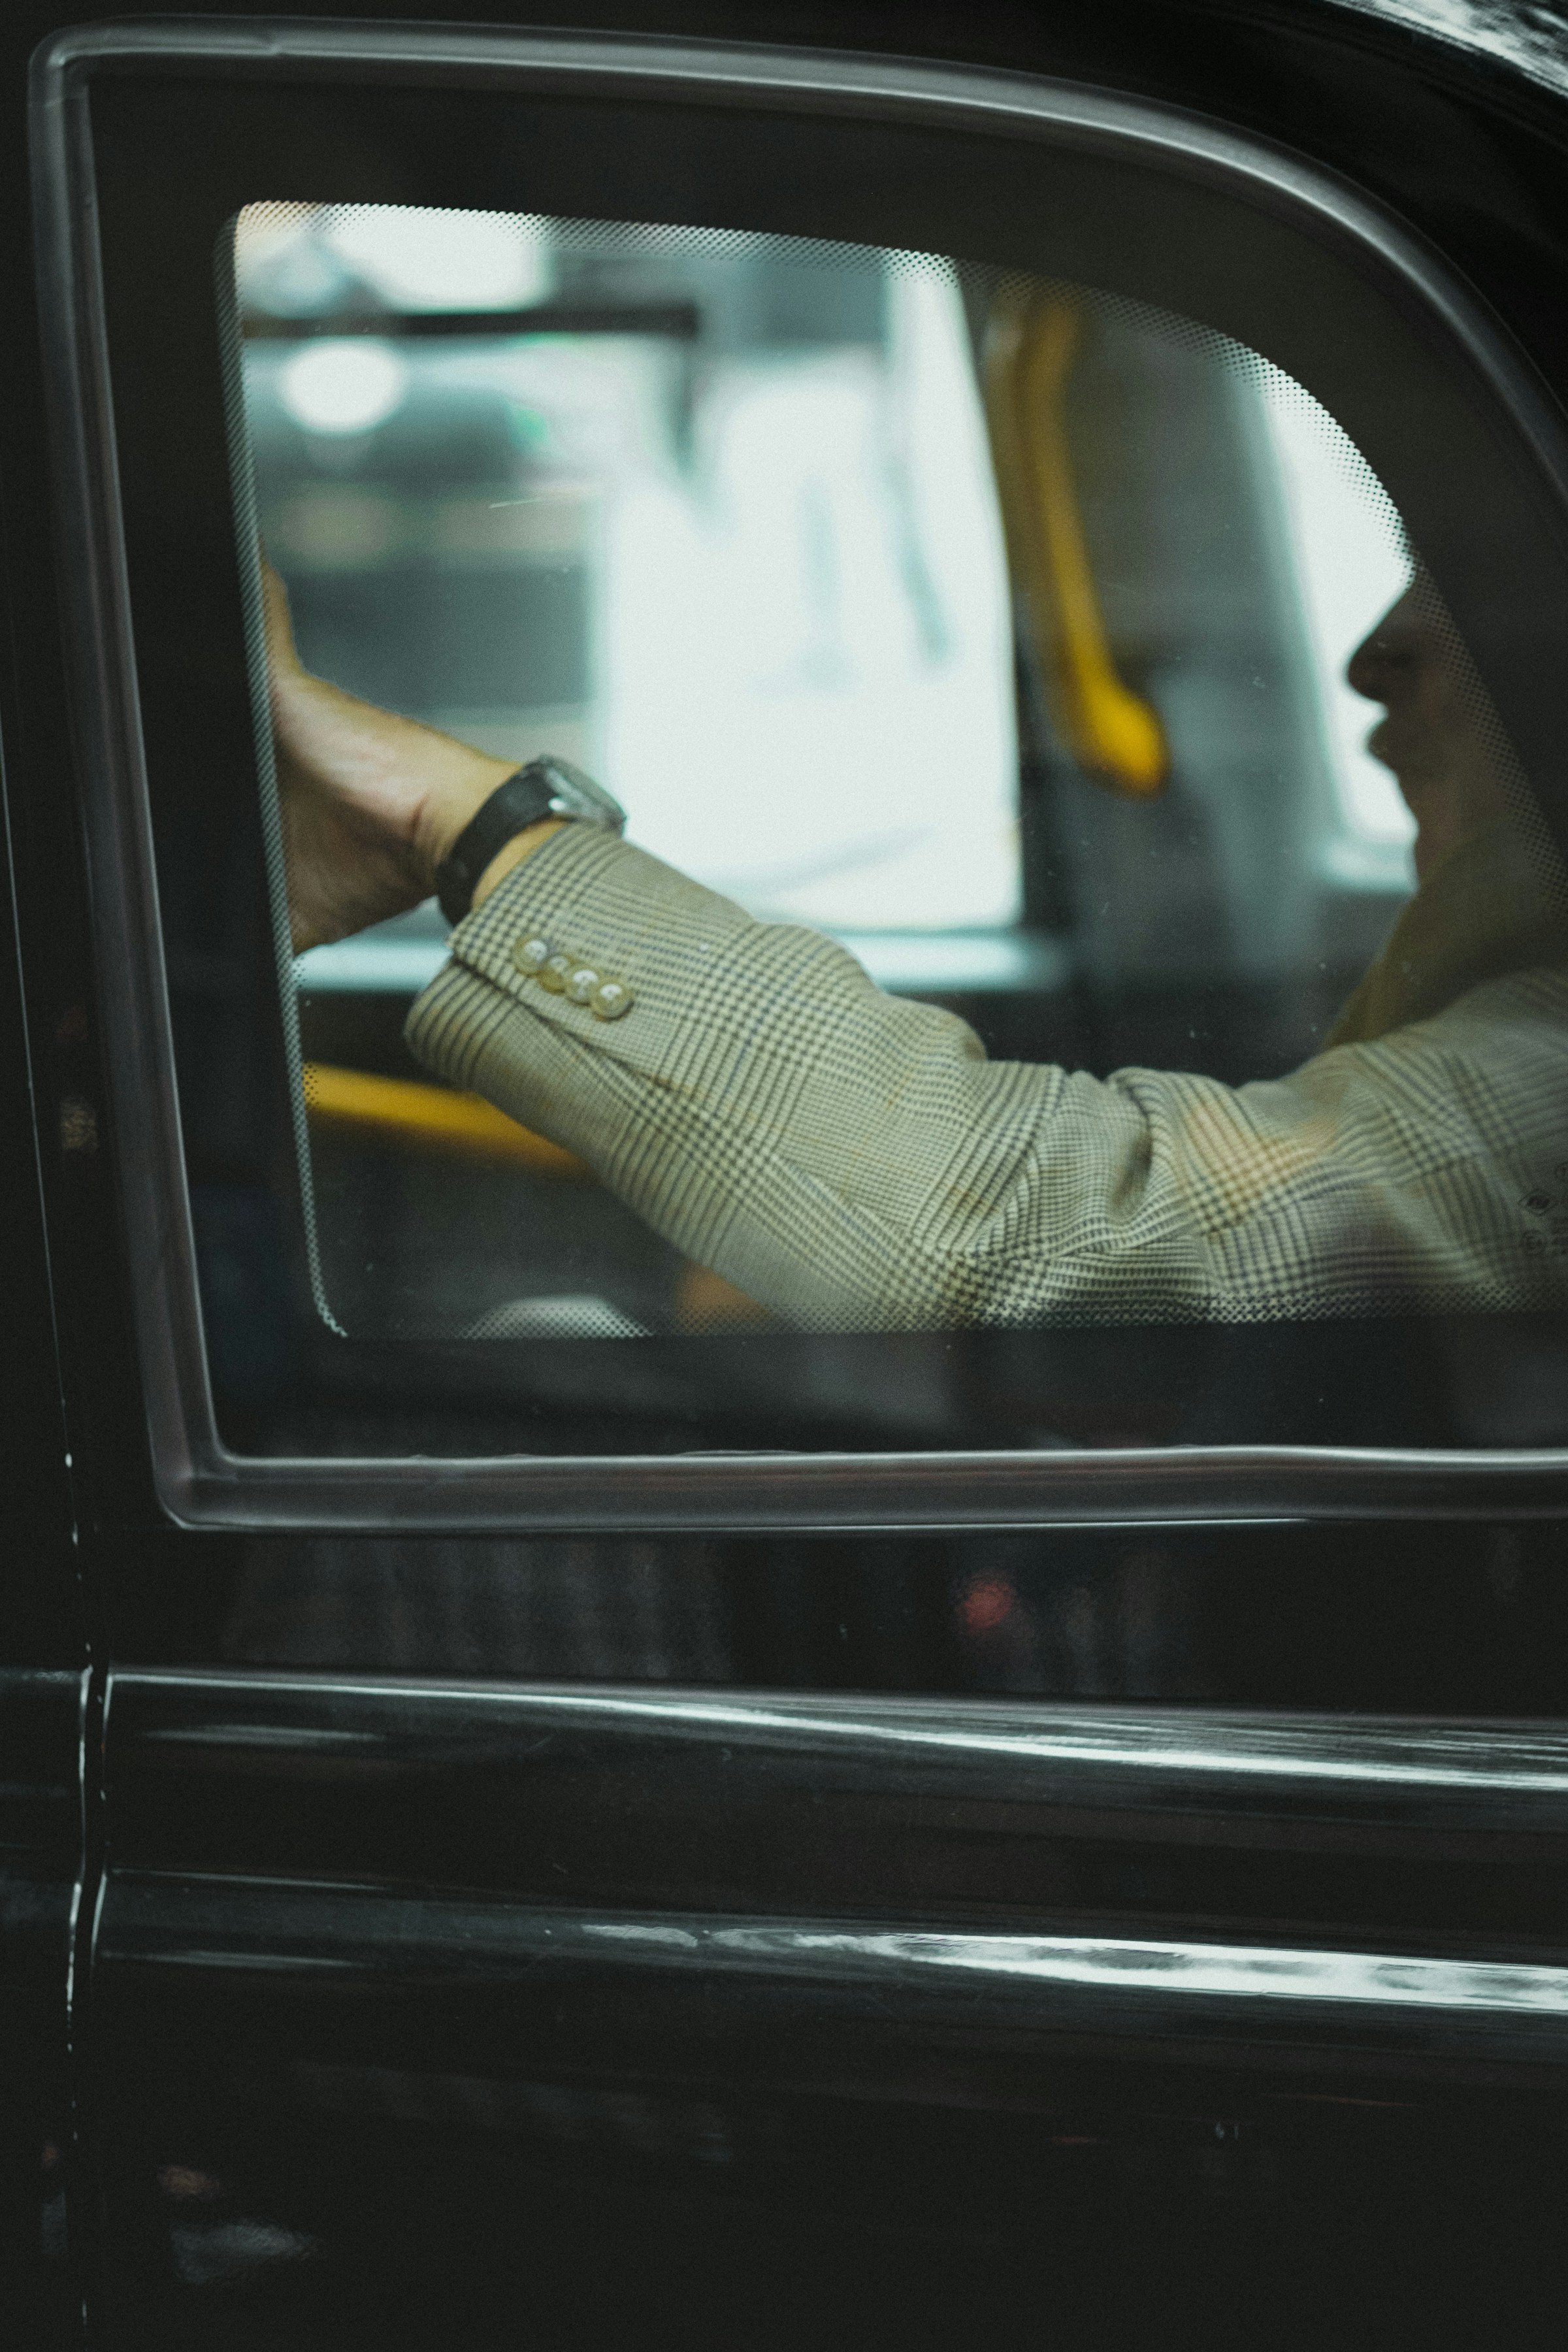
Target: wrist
(482, 818)
(452, 799)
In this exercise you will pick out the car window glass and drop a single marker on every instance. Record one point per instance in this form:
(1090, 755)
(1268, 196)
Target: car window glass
(1020, 639)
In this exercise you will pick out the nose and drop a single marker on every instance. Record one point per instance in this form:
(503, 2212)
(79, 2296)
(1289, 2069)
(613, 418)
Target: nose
(1381, 660)
(1386, 656)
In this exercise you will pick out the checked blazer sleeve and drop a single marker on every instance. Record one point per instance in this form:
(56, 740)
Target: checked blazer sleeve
(852, 1159)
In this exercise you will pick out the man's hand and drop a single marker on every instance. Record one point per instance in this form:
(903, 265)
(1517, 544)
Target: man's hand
(370, 802)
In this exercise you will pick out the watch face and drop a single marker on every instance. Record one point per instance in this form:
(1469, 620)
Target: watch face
(578, 795)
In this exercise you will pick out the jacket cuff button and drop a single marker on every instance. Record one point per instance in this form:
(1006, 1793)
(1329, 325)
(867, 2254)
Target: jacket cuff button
(610, 1000)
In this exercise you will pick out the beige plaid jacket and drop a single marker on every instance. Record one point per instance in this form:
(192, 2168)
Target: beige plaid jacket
(852, 1160)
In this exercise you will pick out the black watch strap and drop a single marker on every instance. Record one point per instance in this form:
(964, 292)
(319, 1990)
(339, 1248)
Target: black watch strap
(526, 795)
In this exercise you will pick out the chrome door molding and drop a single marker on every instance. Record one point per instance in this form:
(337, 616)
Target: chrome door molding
(918, 1981)
(1007, 1869)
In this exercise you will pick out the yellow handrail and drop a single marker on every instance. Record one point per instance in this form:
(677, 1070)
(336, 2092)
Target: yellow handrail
(401, 1111)
(1031, 344)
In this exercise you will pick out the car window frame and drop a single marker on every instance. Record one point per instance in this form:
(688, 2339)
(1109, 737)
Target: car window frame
(201, 1482)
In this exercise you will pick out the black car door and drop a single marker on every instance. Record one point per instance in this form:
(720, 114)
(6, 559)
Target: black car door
(551, 1796)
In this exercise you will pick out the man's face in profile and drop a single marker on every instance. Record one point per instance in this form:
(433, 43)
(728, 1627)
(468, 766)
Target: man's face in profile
(1434, 735)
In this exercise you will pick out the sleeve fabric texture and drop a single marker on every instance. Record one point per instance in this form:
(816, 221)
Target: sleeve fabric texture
(852, 1159)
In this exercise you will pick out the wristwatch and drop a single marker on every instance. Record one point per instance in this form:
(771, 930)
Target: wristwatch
(546, 787)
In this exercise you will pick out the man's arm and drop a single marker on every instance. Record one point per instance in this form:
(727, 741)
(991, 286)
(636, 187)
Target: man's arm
(760, 1102)
(851, 1160)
